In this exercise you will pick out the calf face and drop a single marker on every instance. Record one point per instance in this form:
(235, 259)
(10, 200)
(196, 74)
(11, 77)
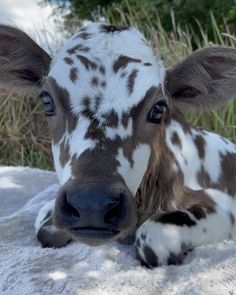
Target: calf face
(108, 101)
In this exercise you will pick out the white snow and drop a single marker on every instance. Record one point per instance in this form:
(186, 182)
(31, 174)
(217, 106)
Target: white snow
(28, 269)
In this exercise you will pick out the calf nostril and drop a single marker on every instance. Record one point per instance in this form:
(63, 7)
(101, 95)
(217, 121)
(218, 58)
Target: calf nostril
(114, 211)
(70, 209)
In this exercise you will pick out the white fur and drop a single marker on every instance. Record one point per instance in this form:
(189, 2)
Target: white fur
(188, 157)
(133, 174)
(40, 220)
(167, 239)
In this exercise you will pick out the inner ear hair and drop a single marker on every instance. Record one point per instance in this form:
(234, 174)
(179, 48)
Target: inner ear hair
(205, 79)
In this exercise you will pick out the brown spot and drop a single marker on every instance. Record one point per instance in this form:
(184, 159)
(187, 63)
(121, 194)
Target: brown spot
(112, 28)
(97, 102)
(73, 74)
(103, 84)
(125, 119)
(176, 140)
(84, 35)
(203, 178)
(112, 119)
(77, 48)
(198, 212)
(200, 144)
(232, 219)
(131, 81)
(123, 61)
(68, 60)
(94, 81)
(228, 173)
(94, 131)
(178, 218)
(102, 69)
(87, 63)
(64, 153)
(150, 256)
(123, 75)
(86, 108)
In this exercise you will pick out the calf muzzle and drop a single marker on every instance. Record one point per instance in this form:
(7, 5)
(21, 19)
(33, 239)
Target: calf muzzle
(94, 212)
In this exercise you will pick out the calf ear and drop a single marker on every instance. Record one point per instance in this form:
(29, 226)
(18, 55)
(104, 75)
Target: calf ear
(205, 79)
(22, 62)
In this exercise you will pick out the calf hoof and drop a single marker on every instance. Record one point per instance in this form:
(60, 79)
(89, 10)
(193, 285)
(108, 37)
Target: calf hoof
(161, 244)
(50, 236)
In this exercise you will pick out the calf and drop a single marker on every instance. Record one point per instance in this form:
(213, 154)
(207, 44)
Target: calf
(130, 167)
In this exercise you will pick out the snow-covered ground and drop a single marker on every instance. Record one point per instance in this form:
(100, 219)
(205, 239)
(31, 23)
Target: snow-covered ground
(27, 269)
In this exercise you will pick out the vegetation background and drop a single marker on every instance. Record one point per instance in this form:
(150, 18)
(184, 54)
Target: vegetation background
(174, 27)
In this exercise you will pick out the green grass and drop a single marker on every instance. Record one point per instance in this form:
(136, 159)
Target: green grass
(24, 138)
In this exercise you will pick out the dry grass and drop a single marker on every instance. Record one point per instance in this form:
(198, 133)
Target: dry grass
(24, 138)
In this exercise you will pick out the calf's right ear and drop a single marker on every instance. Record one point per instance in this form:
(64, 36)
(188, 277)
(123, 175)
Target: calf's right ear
(23, 63)
(205, 79)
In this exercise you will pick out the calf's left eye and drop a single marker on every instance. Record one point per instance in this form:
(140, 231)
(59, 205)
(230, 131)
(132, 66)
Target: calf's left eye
(157, 112)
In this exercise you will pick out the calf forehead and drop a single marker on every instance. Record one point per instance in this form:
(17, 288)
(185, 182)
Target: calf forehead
(106, 69)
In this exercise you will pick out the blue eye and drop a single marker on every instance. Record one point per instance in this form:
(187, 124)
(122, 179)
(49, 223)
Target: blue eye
(157, 112)
(49, 105)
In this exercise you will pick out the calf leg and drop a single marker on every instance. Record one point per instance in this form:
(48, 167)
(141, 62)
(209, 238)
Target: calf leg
(47, 234)
(166, 238)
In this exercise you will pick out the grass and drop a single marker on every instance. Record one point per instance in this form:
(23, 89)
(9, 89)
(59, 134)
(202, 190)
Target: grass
(24, 138)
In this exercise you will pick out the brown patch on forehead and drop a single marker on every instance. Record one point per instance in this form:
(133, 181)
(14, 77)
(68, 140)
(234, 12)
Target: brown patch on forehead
(176, 140)
(88, 64)
(112, 119)
(64, 153)
(73, 74)
(95, 132)
(200, 144)
(68, 61)
(123, 61)
(131, 81)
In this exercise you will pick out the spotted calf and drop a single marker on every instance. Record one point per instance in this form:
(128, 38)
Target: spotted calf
(130, 167)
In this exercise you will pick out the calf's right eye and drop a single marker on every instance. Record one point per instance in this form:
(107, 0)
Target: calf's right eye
(49, 105)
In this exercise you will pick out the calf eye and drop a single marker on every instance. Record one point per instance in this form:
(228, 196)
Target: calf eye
(49, 105)
(157, 112)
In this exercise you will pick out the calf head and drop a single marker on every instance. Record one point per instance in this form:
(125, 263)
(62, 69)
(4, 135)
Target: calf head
(108, 100)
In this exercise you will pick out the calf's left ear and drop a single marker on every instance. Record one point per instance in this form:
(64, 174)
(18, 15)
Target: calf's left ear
(23, 63)
(205, 79)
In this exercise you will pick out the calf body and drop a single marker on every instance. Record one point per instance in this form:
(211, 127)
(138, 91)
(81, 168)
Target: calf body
(130, 167)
